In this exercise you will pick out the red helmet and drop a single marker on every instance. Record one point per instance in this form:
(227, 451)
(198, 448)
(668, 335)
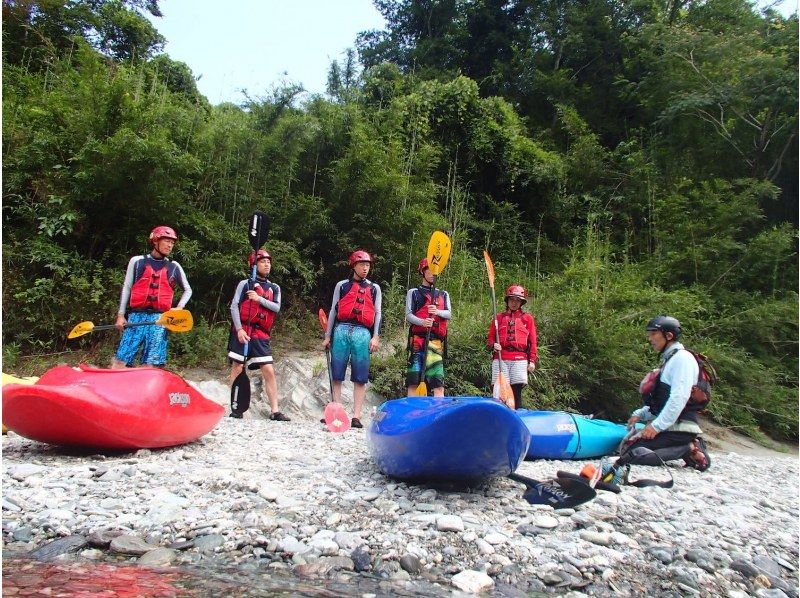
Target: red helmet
(518, 292)
(162, 232)
(423, 263)
(257, 255)
(359, 255)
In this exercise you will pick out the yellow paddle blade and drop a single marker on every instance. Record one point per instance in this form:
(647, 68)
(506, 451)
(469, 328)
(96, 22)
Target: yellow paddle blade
(489, 267)
(176, 320)
(438, 252)
(422, 389)
(81, 329)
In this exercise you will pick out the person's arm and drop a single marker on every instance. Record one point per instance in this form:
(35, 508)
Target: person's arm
(680, 373)
(334, 308)
(376, 328)
(532, 343)
(125, 294)
(642, 415)
(237, 321)
(275, 303)
(411, 317)
(445, 313)
(490, 338)
(184, 282)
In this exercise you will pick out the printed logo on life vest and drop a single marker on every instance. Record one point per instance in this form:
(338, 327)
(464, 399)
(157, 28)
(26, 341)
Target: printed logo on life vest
(179, 398)
(566, 428)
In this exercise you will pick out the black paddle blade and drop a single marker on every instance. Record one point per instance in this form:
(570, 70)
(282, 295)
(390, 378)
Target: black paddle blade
(559, 494)
(258, 231)
(600, 485)
(240, 393)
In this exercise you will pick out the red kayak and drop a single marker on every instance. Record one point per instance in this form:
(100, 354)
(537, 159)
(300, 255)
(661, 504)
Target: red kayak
(113, 409)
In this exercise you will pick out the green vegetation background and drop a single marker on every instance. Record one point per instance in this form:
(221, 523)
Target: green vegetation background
(618, 159)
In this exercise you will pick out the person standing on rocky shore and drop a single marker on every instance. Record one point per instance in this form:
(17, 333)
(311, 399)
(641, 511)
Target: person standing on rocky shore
(147, 292)
(427, 315)
(672, 430)
(253, 309)
(515, 343)
(354, 325)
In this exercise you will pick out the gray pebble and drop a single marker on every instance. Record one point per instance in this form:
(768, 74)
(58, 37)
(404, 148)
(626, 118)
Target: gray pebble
(60, 546)
(158, 557)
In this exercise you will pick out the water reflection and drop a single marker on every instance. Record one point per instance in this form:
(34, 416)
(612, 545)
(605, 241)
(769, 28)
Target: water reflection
(84, 579)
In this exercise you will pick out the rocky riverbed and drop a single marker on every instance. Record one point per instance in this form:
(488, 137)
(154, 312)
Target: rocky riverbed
(292, 499)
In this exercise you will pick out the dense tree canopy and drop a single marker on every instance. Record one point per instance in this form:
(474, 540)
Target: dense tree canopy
(619, 159)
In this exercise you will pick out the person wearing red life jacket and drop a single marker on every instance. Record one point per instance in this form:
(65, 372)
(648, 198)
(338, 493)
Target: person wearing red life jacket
(516, 344)
(148, 291)
(253, 309)
(425, 312)
(354, 325)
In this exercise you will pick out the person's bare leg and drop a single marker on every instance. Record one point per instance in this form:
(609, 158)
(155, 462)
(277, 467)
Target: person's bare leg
(270, 386)
(116, 364)
(359, 392)
(236, 369)
(337, 391)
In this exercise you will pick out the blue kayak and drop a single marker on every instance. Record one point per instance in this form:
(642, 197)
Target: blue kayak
(447, 439)
(561, 435)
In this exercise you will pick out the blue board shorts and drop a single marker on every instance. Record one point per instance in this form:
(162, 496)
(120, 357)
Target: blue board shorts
(350, 343)
(151, 339)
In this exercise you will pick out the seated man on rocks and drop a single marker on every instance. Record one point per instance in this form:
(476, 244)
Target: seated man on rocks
(672, 431)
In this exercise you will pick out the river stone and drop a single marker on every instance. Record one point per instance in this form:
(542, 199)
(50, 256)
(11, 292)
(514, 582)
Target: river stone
(339, 562)
(411, 563)
(472, 581)
(362, 561)
(209, 542)
(745, 568)
(495, 538)
(449, 523)
(130, 544)
(767, 565)
(60, 546)
(25, 470)
(158, 557)
(102, 538)
(23, 534)
(545, 522)
(318, 569)
(596, 537)
(662, 553)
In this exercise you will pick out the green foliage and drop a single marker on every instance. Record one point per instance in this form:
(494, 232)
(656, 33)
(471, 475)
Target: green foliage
(202, 345)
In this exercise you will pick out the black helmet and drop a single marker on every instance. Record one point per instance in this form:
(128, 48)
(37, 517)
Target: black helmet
(665, 324)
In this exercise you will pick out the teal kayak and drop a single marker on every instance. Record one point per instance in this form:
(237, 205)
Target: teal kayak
(561, 435)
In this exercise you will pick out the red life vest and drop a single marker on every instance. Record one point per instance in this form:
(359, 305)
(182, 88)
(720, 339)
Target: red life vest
(439, 328)
(514, 333)
(256, 319)
(152, 289)
(357, 305)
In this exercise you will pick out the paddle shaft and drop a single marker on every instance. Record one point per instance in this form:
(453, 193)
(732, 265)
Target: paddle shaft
(497, 334)
(240, 389)
(126, 325)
